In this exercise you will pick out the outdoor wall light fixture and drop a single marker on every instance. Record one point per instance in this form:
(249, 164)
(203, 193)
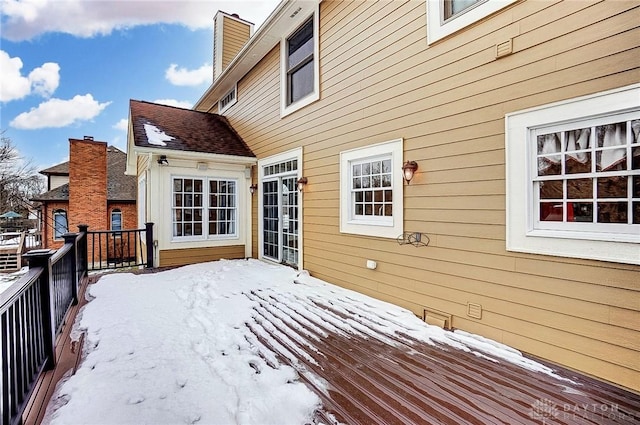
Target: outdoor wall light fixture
(163, 160)
(302, 182)
(408, 169)
(253, 188)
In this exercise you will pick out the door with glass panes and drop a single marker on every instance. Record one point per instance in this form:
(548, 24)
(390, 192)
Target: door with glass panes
(280, 219)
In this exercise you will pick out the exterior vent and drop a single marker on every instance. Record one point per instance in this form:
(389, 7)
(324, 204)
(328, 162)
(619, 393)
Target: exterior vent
(504, 49)
(474, 310)
(437, 318)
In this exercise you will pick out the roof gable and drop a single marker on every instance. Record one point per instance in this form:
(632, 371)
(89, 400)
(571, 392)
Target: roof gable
(168, 127)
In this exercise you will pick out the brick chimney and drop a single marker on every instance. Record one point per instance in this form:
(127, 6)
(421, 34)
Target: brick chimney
(230, 34)
(87, 184)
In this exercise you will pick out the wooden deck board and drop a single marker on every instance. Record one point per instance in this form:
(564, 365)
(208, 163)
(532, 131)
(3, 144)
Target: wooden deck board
(383, 379)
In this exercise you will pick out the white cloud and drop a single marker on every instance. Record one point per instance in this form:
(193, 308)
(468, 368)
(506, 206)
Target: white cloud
(123, 125)
(184, 77)
(177, 103)
(26, 19)
(43, 80)
(56, 113)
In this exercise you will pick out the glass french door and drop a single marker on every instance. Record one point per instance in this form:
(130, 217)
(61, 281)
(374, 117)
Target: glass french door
(280, 219)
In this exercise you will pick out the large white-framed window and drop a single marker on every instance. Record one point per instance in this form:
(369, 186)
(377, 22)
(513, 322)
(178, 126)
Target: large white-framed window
(228, 100)
(299, 66)
(204, 208)
(371, 193)
(60, 223)
(445, 17)
(573, 177)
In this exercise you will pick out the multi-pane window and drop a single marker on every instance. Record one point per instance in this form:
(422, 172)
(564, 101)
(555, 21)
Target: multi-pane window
(454, 7)
(60, 224)
(193, 197)
(300, 63)
(589, 173)
(573, 177)
(371, 191)
(188, 202)
(222, 207)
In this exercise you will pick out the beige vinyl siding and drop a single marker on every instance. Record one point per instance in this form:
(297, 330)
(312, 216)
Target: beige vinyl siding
(235, 35)
(180, 257)
(142, 163)
(380, 81)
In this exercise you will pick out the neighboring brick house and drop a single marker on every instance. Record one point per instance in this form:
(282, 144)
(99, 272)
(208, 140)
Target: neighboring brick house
(91, 188)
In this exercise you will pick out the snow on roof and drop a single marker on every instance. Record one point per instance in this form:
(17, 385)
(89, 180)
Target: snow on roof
(155, 136)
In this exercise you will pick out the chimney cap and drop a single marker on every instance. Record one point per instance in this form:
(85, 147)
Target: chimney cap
(88, 137)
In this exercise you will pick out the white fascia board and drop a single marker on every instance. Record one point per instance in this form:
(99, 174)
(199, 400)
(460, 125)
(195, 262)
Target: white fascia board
(198, 156)
(288, 15)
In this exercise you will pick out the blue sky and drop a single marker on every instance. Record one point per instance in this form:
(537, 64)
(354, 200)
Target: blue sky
(69, 67)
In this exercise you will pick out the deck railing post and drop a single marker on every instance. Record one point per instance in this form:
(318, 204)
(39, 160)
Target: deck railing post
(149, 242)
(41, 258)
(84, 247)
(70, 238)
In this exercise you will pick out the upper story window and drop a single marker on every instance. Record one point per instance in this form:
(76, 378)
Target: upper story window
(299, 62)
(116, 219)
(204, 208)
(573, 177)
(228, 100)
(445, 17)
(371, 190)
(60, 224)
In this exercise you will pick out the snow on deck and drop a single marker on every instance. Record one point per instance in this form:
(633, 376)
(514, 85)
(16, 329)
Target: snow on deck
(234, 342)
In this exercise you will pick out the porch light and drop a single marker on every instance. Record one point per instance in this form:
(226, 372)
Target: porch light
(163, 160)
(302, 182)
(253, 188)
(408, 169)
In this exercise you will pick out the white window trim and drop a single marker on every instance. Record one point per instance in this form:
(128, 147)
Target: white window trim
(275, 159)
(205, 211)
(437, 28)
(116, 211)
(56, 212)
(230, 104)
(384, 229)
(141, 203)
(521, 236)
(315, 95)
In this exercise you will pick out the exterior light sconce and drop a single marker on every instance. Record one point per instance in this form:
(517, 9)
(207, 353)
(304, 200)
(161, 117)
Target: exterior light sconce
(302, 182)
(253, 188)
(408, 170)
(163, 160)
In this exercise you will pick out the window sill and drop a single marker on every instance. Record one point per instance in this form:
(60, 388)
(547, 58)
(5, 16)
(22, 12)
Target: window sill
(305, 101)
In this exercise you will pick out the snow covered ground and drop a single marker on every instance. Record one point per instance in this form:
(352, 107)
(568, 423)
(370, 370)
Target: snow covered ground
(175, 347)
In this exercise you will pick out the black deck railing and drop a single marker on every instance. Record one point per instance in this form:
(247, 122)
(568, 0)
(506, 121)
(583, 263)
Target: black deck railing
(34, 308)
(32, 313)
(114, 249)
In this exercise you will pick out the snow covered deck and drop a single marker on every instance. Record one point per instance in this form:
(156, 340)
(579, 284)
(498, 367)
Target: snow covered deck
(247, 342)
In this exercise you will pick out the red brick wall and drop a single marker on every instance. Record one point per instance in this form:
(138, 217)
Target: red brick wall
(88, 184)
(129, 215)
(48, 229)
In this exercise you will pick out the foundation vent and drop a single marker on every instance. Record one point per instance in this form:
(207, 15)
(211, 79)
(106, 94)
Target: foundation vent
(474, 310)
(504, 49)
(437, 318)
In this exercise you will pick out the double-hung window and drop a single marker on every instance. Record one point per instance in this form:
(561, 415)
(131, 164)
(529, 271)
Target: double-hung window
(60, 224)
(204, 208)
(299, 63)
(573, 177)
(371, 190)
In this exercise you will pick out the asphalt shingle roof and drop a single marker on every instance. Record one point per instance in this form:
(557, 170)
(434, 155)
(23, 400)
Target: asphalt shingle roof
(191, 130)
